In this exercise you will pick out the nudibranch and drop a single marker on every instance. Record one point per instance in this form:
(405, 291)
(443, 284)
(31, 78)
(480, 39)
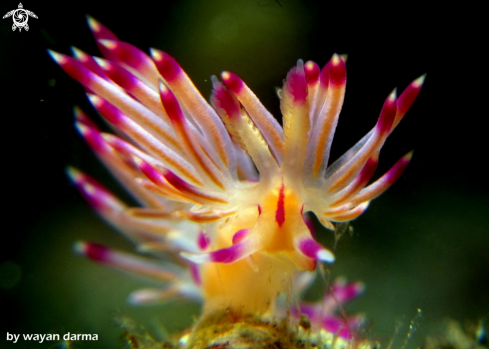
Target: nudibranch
(224, 189)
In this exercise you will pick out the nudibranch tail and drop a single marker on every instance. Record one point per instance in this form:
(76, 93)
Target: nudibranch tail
(225, 191)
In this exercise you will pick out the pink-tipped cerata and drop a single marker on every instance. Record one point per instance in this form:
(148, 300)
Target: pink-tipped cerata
(312, 72)
(130, 56)
(233, 82)
(99, 30)
(387, 114)
(407, 98)
(96, 252)
(268, 125)
(166, 65)
(88, 61)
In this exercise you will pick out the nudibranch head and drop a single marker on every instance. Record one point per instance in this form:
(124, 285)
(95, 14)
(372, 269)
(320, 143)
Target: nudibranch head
(224, 189)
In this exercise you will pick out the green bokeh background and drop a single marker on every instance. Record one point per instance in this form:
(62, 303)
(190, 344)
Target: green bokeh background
(423, 244)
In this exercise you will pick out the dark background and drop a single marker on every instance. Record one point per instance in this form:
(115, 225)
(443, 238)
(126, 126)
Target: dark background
(423, 244)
